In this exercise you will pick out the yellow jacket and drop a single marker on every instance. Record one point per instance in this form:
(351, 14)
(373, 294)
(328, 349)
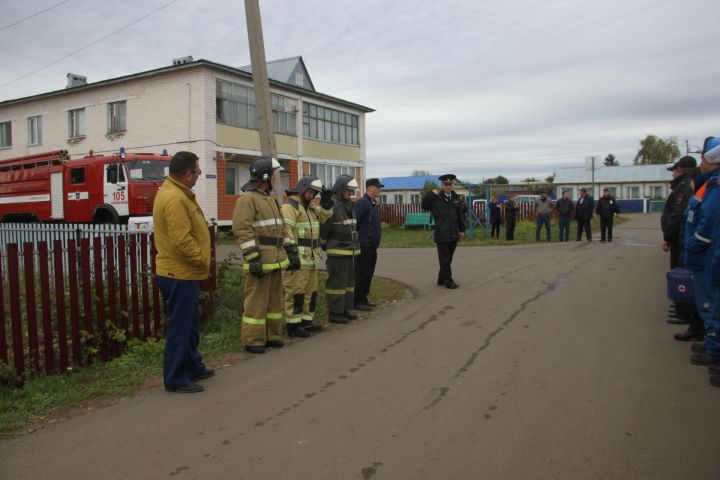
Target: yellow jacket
(181, 235)
(302, 227)
(258, 229)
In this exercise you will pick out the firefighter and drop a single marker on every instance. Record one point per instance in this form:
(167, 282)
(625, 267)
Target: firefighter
(341, 243)
(302, 219)
(258, 228)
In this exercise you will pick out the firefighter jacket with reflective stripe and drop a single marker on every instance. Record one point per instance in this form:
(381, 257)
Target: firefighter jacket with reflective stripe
(258, 228)
(181, 235)
(702, 214)
(302, 227)
(340, 231)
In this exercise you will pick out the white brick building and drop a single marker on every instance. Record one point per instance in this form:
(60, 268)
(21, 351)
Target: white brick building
(199, 106)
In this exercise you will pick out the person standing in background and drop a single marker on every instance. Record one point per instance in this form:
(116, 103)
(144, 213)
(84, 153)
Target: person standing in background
(369, 231)
(495, 217)
(564, 207)
(542, 216)
(583, 215)
(511, 211)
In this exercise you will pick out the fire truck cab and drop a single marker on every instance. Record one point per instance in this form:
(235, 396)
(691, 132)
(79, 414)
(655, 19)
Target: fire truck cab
(50, 187)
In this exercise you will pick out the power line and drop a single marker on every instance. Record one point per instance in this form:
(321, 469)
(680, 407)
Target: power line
(33, 15)
(88, 45)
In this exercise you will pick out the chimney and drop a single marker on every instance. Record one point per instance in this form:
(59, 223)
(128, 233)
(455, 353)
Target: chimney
(75, 80)
(182, 60)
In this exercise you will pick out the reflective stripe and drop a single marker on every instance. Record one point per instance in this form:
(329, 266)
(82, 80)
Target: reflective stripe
(293, 319)
(249, 244)
(701, 238)
(274, 316)
(287, 241)
(251, 256)
(311, 262)
(350, 290)
(334, 292)
(267, 267)
(349, 221)
(266, 223)
(254, 321)
(292, 223)
(308, 318)
(335, 251)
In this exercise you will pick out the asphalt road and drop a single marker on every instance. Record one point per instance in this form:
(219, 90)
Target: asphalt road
(551, 361)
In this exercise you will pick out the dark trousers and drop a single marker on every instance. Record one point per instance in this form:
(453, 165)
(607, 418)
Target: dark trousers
(445, 250)
(182, 361)
(340, 283)
(675, 255)
(364, 271)
(542, 219)
(510, 229)
(606, 224)
(564, 223)
(584, 225)
(495, 229)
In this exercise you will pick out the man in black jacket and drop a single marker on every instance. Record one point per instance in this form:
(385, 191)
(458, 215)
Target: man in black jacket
(583, 214)
(511, 210)
(369, 230)
(446, 209)
(671, 223)
(564, 207)
(606, 209)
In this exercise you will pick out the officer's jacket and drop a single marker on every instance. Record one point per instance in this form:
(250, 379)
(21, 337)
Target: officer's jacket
(302, 227)
(495, 212)
(368, 222)
(258, 227)
(701, 217)
(607, 207)
(585, 208)
(564, 206)
(448, 214)
(511, 210)
(340, 231)
(181, 235)
(671, 220)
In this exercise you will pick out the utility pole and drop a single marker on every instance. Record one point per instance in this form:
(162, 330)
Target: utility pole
(263, 107)
(592, 159)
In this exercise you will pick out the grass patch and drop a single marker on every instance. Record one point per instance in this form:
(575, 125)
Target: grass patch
(48, 397)
(398, 237)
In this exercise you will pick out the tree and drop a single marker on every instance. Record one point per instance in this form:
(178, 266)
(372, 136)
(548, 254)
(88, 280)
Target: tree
(429, 185)
(655, 151)
(530, 179)
(499, 180)
(610, 161)
(550, 179)
(420, 173)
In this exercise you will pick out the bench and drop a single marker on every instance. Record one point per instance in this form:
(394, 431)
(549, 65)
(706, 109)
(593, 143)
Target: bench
(423, 219)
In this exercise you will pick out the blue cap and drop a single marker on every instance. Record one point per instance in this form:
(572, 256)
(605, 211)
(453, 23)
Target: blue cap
(710, 143)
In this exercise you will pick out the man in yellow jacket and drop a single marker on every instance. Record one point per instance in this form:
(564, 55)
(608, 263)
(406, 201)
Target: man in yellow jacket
(302, 227)
(258, 228)
(182, 241)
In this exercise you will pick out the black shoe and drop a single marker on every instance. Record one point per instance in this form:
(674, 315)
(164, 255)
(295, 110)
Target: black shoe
(451, 284)
(602, 240)
(714, 369)
(274, 343)
(349, 315)
(311, 327)
(297, 330)
(256, 350)
(362, 307)
(704, 359)
(677, 321)
(189, 388)
(370, 304)
(207, 373)
(687, 335)
(338, 318)
(440, 283)
(715, 380)
(697, 347)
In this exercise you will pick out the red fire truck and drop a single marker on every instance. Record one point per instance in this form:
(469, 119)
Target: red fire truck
(49, 187)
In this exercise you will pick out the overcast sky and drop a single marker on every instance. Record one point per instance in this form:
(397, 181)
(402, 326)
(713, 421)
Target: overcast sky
(474, 87)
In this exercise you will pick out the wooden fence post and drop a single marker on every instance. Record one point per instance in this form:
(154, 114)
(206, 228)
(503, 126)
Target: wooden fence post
(31, 304)
(60, 304)
(48, 350)
(16, 318)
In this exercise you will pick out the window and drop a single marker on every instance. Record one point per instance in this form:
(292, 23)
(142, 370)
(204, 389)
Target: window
(117, 117)
(284, 112)
(329, 173)
(570, 190)
(76, 123)
(415, 198)
(329, 125)
(235, 105)
(613, 191)
(77, 175)
(34, 130)
(657, 192)
(231, 180)
(398, 198)
(115, 173)
(382, 199)
(6, 134)
(633, 192)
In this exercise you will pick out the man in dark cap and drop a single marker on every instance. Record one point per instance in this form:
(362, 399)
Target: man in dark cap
(671, 223)
(447, 211)
(606, 209)
(583, 215)
(369, 230)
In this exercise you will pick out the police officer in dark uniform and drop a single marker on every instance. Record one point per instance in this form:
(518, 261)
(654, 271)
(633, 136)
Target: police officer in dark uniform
(511, 210)
(447, 211)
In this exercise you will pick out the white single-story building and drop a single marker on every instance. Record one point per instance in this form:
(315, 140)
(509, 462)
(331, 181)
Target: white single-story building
(624, 182)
